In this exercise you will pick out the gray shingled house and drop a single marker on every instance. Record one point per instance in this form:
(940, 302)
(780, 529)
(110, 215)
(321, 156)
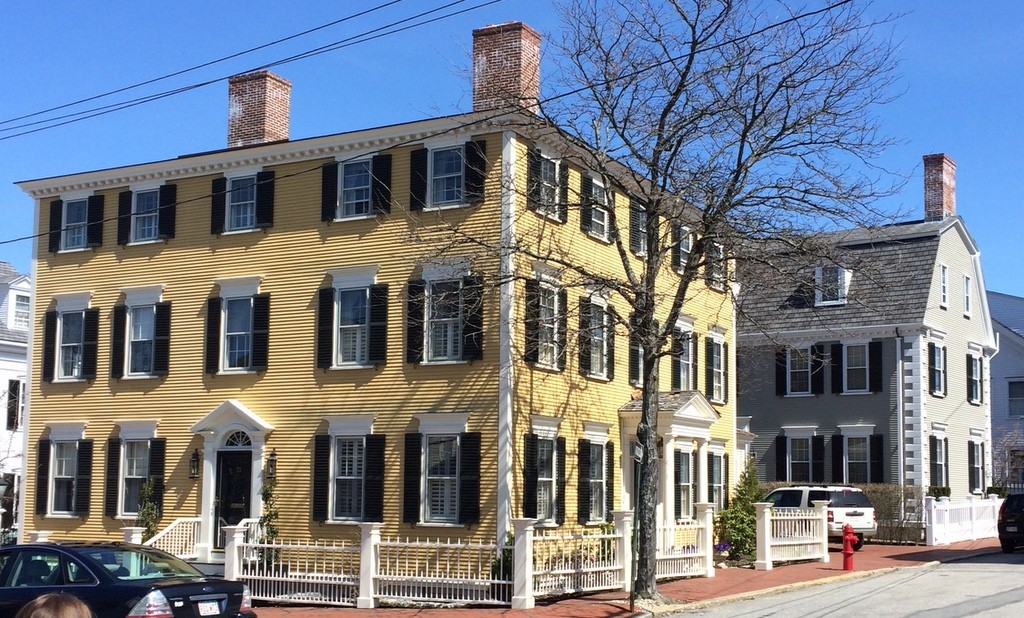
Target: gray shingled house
(1008, 390)
(875, 368)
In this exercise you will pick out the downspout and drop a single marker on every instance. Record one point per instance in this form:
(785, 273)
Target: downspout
(506, 268)
(900, 463)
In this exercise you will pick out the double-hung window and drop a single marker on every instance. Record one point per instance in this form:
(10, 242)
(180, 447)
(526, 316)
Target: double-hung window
(447, 176)
(65, 474)
(76, 218)
(352, 320)
(241, 213)
(442, 472)
(967, 296)
(547, 325)
(937, 369)
(348, 477)
(1015, 398)
(974, 378)
(22, 309)
(976, 465)
(141, 336)
(596, 481)
(683, 485)
(938, 450)
(140, 331)
(70, 335)
(237, 333)
(546, 479)
(596, 467)
(134, 458)
(943, 285)
(855, 362)
(353, 326)
(71, 344)
(681, 247)
(599, 212)
(857, 459)
(444, 320)
(682, 360)
(544, 472)
(442, 476)
(716, 480)
(242, 203)
(237, 327)
(63, 462)
(830, 285)
(716, 267)
(135, 472)
(717, 368)
(355, 189)
(596, 338)
(547, 187)
(799, 371)
(799, 460)
(348, 471)
(146, 216)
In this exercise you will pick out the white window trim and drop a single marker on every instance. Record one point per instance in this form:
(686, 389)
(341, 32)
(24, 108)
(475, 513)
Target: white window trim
(789, 371)
(934, 389)
(844, 285)
(717, 337)
(545, 426)
(979, 363)
(67, 198)
(867, 368)
(685, 234)
(943, 286)
(61, 431)
(132, 229)
(339, 206)
(72, 301)
(442, 423)
(350, 279)
(600, 301)
(606, 208)
(968, 296)
(236, 287)
(12, 300)
(550, 211)
(799, 432)
(444, 144)
(1009, 381)
(345, 426)
(236, 174)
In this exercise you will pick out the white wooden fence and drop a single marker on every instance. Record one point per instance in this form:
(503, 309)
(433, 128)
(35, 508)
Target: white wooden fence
(950, 521)
(180, 538)
(791, 534)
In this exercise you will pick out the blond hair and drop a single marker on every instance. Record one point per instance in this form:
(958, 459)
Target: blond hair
(55, 605)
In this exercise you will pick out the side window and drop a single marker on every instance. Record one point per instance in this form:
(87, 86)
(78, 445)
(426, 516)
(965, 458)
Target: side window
(75, 572)
(33, 569)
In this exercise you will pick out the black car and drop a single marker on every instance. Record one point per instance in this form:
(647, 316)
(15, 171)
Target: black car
(1011, 522)
(117, 580)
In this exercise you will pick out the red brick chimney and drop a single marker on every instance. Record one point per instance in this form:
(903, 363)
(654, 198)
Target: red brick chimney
(939, 187)
(506, 66)
(258, 108)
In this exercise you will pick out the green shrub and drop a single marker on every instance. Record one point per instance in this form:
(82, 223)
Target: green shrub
(149, 515)
(737, 525)
(939, 491)
(997, 490)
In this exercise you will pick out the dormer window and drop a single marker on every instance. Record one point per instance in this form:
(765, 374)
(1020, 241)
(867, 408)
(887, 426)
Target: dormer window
(830, 285)
(22, 309)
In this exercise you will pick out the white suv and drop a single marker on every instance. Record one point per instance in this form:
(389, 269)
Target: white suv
(847, 505)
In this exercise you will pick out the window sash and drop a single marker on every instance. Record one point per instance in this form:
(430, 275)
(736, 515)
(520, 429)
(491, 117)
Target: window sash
(799, 371)
(146, 216)
(355, 189)
(716, 493)
(599, 319)
(22, 309)
(76, 216)
(977, 470)
(65, 470)
(974, 381)
(642, 228)
(943, 285)
(444, 320)
(597, 482)
(684, 488)
(717, 371)
(134, 473)
(442, 476)
(237, 333)
(856, 367)
(72, 335)
(858, 462)
(446, 176)
(353, 326)
(348, 477)
(831, 288)
(716, 264)
(800, 459)
(546, 479)
(685, 246)
(547, 331)
(938, 370)
(967, 295)
(141, 335)
(547, 187)
(242, 204)
(1015, 397)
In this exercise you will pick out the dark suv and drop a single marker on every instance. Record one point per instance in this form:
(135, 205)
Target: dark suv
(1011, 522)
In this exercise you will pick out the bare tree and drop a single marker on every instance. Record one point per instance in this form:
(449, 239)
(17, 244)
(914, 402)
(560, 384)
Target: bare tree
(747, 123)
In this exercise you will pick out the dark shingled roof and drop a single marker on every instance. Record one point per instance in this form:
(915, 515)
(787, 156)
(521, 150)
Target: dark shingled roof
(1007, 310)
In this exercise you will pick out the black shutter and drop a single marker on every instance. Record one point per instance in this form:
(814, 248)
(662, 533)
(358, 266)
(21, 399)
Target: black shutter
(945, 448)
(418, 179)
(373, 478)
(563, 327)
(818, 459)
(90, 342)
(157, 461)
(531, 322)
(533, 184)
(635, 231)
(94, 230)
(42, 476)
(725, 372)
(875, 366)
(933, 448)
(380, 184)
(475, 170)
(377, 345)
(726, 481)
(321, 477)
(609, 480)
(560, 455)
(473, 309)
(264, 199)
(563, 191)
(634, 351)
(677, 255)
(168, 215)
(56, 225)
(709, 369)
(945, 373)
(83, 477)
(693, 360)
(781, 369)
(219, 204)
(111, 487)
(781, 465)
(118, 324)
(162, 338)
(583, 481)
(932, 386)
(124, 217)
(877, 455)
(677, 478)
(13, 404)
(49, 345)
(838, 468)
(583, 335)
(971, 484)
(817, 369)
(212, 351)
(469, 478)
(608, 315)
(411, 478)
(530, 474)
(970, 379)
(260, 331)
(324, 328)
(586, 203)
(676, 356)
(414, 317)
(837, 367)
(328, 196)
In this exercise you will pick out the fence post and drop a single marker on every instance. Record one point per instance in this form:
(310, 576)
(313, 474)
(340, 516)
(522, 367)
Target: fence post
(234, 537)
(706, 520)
(764, 537)
(369, 545)
(972, 507)
(39, 536)
(133, 534)
(623, 521)
(522, 571)
(821, 508)
(929, 520)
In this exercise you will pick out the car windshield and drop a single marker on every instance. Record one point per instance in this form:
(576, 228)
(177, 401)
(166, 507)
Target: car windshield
(785, 498)
(849, 499)
(138, 563)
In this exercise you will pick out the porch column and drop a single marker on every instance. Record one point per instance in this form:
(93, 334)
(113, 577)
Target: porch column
(701, 467)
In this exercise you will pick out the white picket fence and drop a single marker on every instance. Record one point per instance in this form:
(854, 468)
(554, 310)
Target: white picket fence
(951, 521)
(785, 535)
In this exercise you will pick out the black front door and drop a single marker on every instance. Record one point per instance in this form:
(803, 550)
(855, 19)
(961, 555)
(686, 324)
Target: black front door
(234, 479)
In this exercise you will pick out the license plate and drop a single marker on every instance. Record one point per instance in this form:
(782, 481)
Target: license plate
(1011, 528)
(209, 608)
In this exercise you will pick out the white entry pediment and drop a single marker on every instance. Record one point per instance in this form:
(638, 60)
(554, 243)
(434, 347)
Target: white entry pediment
(232, 413)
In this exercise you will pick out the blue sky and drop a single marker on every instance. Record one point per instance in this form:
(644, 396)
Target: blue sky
(961, 78)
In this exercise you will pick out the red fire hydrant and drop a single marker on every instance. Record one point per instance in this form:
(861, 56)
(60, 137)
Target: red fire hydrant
(849, 538)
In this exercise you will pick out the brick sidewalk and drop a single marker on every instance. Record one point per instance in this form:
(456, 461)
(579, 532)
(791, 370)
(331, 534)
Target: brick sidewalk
(727, 583)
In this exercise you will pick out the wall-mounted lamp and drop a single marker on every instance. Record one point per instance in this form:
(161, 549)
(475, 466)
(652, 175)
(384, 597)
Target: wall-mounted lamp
(193, 465)
(271, 471)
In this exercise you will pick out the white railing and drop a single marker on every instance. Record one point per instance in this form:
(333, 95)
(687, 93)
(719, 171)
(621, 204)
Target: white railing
(178, 538)
(307, 572)
(441, 571)
(571, 563)
(791, 534)
(686, 549)
(951, 521)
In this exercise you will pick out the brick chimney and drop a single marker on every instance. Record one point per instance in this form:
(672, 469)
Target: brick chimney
(258, 108)
(939, 187)
(506, 66)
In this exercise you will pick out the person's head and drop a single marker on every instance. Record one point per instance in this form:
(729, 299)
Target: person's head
(55, 605)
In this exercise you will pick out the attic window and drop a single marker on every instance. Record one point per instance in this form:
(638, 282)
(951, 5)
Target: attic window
(830, 285)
